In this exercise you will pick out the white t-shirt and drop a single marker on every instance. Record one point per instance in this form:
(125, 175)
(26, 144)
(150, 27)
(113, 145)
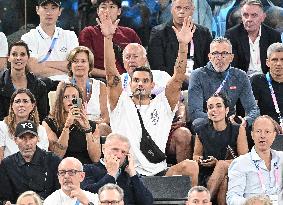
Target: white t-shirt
(10, 147)
(3, 45)
(157, 118)
(60, 198)
(39, 44)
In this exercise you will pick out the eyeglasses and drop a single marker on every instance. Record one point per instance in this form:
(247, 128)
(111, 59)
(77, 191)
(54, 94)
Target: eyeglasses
(110, 202)
(71, 172)
(222, 54)
(24, 101)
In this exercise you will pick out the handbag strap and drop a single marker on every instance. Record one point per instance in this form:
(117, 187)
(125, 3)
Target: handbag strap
(144, 131)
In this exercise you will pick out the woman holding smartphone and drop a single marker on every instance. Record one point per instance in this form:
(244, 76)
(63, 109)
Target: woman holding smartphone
(69, 131)
(216, 144)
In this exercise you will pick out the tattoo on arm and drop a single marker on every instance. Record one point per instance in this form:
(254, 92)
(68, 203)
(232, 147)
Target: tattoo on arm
(113, 81)
(59, 145)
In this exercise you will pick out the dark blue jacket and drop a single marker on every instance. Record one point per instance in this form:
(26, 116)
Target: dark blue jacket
(135, 193)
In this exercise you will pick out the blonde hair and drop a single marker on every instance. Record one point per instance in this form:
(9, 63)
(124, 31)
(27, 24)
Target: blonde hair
(73, 53)
(34, 195)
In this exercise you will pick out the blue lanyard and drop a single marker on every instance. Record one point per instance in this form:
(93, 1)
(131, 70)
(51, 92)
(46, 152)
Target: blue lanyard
(223, 83)
(49, 51)
(88, 85)
(125, 83)
(275, 103)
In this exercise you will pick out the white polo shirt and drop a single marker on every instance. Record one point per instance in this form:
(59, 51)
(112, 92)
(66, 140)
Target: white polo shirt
(3, 45)
(39, 44)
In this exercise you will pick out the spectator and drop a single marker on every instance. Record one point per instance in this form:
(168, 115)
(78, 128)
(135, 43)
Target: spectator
(268, 88)
(216, 145)
(218, 76)
(258, 200)
(3, 51)
(163, 44)
(111, 193)
(257, 172)
(18, 76)
(251, 39)
(22, 107)
(70, 175)
(69, 131)
(29, 169)
(198, 195)
(80, 64)
(92, 37)
(29, 198)
(134, 55)
(49, 45)
(157, 114)
(117, 167)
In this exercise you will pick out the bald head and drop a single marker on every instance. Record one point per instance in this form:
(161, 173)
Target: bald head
(134, 55)
(71, 162)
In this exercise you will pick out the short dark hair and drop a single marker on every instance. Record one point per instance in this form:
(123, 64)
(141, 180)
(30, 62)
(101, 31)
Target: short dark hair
(145, 69)
(224, 97)
(116, 2)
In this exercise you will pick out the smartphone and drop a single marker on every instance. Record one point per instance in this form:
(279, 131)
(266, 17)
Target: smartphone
(237, 120)
(77, 102)
(125, 164)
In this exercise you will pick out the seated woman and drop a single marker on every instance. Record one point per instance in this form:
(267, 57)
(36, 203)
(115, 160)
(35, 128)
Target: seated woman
(29, 198)
(216, 144)
(18, 76)
(80, 63)
(69, 131)
(22, 108)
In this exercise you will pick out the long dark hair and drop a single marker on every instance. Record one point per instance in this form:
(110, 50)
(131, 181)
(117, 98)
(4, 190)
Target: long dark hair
(58, 112)
(22, 44)
(10, 120)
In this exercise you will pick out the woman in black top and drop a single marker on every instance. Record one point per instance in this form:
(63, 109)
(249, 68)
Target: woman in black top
(69, 131)
(216, 144)
(18, 76)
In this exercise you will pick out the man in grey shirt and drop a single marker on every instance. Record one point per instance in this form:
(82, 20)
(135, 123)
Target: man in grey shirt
(219, 76)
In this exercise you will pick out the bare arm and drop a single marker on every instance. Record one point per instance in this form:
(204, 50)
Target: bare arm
(57, 145)
(198, 149)
(114, 85)
(93, 145)
(48, 68)
(103, 103)
(242, 143)
(98, 73)
(3, 63)
(1, 153)
(173, 87)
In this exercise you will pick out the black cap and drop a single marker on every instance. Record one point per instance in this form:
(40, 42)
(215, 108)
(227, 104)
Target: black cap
(57, 2)
(26, 127)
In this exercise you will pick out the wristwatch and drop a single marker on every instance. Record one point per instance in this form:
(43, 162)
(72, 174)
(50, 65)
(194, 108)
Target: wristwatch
(90, 203)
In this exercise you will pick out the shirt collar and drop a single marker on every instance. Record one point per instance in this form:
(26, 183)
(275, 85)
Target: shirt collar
(44, 35)
(36, 159)
(256, 157)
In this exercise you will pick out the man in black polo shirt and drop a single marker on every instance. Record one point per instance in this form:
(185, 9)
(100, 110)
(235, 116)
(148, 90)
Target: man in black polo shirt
(29, 169)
